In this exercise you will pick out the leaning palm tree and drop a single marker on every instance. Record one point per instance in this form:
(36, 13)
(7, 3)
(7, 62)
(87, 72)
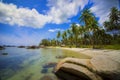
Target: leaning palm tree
(90, 22)
(85, 16)
(114, 20)
(114, 15)
(113, 24)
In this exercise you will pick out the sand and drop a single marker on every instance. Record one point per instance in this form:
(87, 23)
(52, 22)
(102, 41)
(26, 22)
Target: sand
(113, 54)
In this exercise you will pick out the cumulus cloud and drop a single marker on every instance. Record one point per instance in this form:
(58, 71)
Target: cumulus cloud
(101, 8)
(55, 30)
(11, 14)
(60, 12)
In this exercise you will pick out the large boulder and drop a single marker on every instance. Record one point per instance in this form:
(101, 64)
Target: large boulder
(106, 67)
(78, 72)
(82, 62)
(77, 69)
(97, 68)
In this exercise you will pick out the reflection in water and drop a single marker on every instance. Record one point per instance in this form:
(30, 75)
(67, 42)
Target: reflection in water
(37, 64)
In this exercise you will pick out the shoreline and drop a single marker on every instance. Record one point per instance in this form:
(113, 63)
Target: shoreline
(113, 54)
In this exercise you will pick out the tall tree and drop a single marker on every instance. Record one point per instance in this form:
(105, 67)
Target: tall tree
(114, 15)
(113, 24)
(64, 37)
(114, 20)
(90, 22)
(58, 36)
(81, 33)
(85, 17)
(75, 32)
(70, 37)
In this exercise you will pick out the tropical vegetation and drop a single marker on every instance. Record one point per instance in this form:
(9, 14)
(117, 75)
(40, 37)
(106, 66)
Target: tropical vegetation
(89, 33)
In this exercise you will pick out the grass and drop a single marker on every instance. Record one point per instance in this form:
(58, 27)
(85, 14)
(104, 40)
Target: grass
(115, 47)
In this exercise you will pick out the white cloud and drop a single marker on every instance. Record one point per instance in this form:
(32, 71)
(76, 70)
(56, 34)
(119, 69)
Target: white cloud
(77, 24)
(10, 14)
(60, 12)
(102, 8)
(55, 30)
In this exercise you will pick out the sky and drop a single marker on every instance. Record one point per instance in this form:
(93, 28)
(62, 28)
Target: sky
(27, 22)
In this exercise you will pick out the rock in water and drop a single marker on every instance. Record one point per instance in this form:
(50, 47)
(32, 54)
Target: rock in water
(2, 48)
(4, 53)
(50, 65)
(48, 77)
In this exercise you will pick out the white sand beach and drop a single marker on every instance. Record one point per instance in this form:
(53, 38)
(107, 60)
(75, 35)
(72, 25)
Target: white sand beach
(113, 54)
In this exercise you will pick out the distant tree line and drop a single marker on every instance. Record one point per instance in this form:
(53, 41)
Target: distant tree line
(89, 33)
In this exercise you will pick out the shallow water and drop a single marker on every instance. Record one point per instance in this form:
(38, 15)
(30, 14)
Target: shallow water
(28, 64)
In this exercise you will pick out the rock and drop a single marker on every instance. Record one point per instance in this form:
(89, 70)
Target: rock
(4, 53)
(60, 57)
(80, 69)
(98, 68)
(21, 46)
(29, 76)
(48, 77)
(33, 47)
(44, 70)
(2, 48)
(83, 62)
(106, 67)
(50, 65)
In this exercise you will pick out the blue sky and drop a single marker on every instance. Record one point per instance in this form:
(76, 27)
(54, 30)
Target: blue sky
(27, 22)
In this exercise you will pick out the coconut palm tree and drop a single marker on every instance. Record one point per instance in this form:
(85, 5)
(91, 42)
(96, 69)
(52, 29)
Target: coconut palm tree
(74, 29)
(114, 15)
(81, 33)
(85, 16)
(58, 36)
(70, 37)
(114, 20)
(113, 24)
(64, 37)
(90, 22)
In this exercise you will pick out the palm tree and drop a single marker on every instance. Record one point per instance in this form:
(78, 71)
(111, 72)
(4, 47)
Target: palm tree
(89, 20)
(81, 33)
(114, 20)
(99, 37)
(64, 37)
(114, 15)
(75, 32)
(53, 42)
(58, 36)
(70, 37)
(85, 16)
(86, 38)
(113, 24)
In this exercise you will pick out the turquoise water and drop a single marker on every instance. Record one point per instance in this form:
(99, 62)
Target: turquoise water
(27, 64)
